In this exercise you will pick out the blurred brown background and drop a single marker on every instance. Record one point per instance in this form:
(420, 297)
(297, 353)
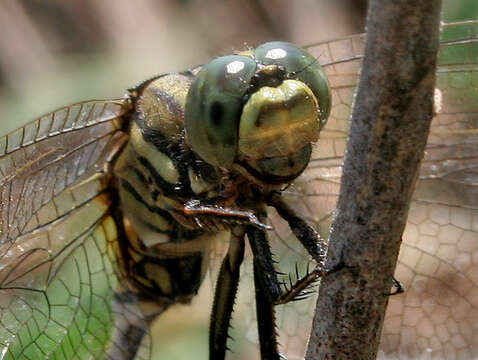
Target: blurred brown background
(55, 52)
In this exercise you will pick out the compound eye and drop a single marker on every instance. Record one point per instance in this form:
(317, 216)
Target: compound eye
(214, 105)
(216, 114)
(299, 65)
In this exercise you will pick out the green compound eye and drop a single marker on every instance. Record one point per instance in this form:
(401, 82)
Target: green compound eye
(302, 66)
(214, 105)
(261, 110)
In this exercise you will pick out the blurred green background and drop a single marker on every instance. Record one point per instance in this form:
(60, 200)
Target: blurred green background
(53, 53)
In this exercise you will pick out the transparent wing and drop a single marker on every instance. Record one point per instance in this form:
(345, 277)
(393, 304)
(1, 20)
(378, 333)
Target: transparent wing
(58, 245)
(438, 263)
(42, 158)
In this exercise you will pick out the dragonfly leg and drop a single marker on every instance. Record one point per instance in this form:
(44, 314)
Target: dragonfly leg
(311, 241)
(225, 294)
(229, 215)
(267, 290)
(298, 289)
(309, 238)
(399, 288)
(314, 245)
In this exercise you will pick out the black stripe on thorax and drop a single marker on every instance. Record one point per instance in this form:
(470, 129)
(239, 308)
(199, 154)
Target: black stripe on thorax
(180, 189)
(154, 209)
(178, 233)
(182, 159)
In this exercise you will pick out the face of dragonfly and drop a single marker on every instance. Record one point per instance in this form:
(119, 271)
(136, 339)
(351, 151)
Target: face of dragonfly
(60, 300)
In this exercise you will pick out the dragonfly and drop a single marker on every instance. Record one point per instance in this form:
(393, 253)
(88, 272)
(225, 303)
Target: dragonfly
(65, 274)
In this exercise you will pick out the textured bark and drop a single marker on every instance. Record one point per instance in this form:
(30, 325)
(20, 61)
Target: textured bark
(390, 123)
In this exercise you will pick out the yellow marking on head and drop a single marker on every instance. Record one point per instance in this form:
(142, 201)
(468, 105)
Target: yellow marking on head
(278, 121)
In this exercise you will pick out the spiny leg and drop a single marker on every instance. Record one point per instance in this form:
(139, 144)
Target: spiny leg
(225, 294)
(267, 286)
(299, 289)
(314, 245)
(196, 209)
(399, 288)
(267, 290)
(266, 320)
(310, 239)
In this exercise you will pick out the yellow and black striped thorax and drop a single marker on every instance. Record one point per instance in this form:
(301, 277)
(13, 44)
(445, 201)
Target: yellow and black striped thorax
(157, 173)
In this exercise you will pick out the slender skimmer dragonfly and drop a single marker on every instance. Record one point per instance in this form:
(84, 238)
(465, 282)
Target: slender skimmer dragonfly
(107, 215)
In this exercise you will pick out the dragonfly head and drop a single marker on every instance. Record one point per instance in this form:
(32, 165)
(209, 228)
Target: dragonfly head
(261, 109)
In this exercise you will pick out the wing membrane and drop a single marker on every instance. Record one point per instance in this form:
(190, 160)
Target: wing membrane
(40, 159)
(439, 255)
(59, 276)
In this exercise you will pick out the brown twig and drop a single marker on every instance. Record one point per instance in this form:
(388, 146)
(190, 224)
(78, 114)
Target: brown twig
(390, 124)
